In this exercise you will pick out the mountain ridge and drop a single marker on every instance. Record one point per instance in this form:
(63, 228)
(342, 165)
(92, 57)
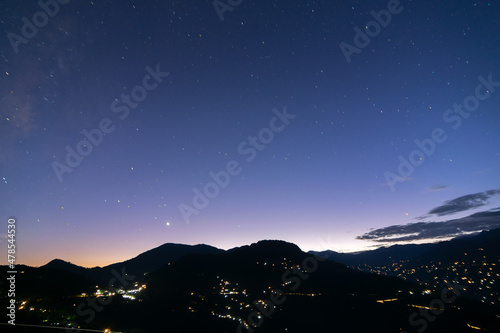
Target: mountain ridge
(222, 291)
(164, 254)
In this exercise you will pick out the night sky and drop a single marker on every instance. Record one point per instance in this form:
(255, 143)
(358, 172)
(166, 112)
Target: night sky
(291, 119)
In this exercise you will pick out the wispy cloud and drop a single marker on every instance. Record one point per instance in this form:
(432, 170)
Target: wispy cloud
(438, 188)
(477, 222)
(464, 203)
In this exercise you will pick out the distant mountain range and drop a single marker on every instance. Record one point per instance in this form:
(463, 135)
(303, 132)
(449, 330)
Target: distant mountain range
(144, 263)
(475, 259)
(268, 286)
(447, 251)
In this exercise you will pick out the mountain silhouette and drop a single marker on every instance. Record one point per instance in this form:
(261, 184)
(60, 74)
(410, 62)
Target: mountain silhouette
(144, 263)
(446, 251)
(268, 286)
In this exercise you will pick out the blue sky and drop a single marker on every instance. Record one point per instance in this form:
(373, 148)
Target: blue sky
(322, 176)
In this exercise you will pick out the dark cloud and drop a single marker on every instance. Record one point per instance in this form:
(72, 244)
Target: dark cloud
(477, 222)
(423, 217)
(464, 203)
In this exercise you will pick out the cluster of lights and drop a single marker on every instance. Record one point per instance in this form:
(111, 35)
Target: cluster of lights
(482, 287)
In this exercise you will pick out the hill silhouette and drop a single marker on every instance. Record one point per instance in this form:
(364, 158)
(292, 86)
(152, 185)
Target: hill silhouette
(144, 263)
(268, 286)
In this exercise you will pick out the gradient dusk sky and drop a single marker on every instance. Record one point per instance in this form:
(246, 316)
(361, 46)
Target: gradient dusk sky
(302, 115)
